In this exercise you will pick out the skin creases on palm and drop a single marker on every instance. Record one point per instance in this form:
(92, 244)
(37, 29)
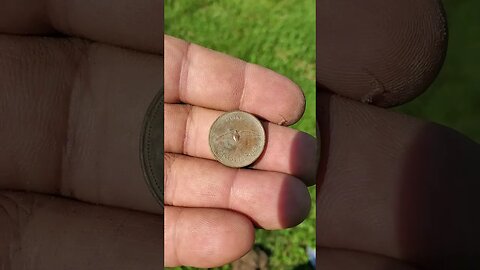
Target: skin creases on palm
(384, 178)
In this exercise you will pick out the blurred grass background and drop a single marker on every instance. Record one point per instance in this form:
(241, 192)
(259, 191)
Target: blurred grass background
(279, 35)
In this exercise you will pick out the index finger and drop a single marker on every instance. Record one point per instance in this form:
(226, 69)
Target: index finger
(133, 24)
(202, 77)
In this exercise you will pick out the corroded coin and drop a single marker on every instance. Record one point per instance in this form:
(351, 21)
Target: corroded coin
(237, 139)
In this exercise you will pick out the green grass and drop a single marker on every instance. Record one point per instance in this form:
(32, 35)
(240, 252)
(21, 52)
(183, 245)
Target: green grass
(454, 98)
(279, 35)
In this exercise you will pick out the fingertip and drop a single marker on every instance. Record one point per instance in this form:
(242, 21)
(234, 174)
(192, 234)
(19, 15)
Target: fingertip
(265, 88)
(381, 52)
(304, 157)
(294, 203)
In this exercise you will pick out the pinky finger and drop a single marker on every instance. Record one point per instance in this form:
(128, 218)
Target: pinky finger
(204, 237)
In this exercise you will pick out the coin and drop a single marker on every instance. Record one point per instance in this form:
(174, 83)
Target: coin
(151, 147)
(237, 139)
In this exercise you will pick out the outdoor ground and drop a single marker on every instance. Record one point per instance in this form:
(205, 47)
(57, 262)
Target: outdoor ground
(281, 36)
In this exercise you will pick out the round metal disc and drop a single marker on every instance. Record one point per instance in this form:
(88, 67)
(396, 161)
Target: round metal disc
(151, 147)
(237, 139)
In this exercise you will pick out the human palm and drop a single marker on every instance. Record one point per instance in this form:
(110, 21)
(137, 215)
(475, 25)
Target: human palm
(76, 82)
(76, 79)
(210, 209)
(394, 192)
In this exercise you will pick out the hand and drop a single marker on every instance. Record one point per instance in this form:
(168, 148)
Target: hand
(72, 108)
(211, 209)
(394, 192)
(72, 193)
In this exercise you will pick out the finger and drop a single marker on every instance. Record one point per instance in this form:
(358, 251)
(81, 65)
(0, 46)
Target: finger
(209, 79)
(71, 119)
(331, 259)
(195, 182)
(396, 186)
(89, 235)
(380, 52)
(286, 151)
(205, 237)
(137, 25)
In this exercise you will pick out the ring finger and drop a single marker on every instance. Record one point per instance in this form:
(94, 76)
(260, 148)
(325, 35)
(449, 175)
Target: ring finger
(196, 182)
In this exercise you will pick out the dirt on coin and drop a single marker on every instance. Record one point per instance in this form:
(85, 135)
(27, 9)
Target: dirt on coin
(237, 139)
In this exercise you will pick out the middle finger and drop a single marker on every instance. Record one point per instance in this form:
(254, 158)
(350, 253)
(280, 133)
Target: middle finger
(287, 150)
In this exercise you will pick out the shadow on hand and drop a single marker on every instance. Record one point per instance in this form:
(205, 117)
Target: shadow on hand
(434, 192)
(293, 199)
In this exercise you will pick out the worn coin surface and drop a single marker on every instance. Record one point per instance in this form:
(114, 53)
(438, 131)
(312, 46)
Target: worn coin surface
(237, 139)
